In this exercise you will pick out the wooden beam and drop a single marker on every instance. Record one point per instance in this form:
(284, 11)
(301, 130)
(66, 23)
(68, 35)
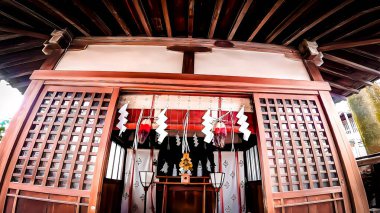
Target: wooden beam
(306, 28)
(347, 44)
(44, 4)
(364, 27)
(20, 47)
(14, 19)
(239, 19)
(346, 21)
(4, 37)
(33, 14)
(215, 17)
(349, 89)
(142, 17)
(338, 74)
(352, 64)
(289, 20)
(188, 63)
(163, 41)
(313, 70)
(93, 16)
(266, 18)
(24, 32)
(166, 17)
(190, 20)
(116, 15)
(368, 160)
(363, 54)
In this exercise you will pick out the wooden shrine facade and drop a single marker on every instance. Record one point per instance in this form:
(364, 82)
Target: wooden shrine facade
(56, 150)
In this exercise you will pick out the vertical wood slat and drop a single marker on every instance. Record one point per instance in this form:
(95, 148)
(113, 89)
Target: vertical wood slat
(265, 173)
(353, 179)
(36, 134)
(102, 157)
(68, 141)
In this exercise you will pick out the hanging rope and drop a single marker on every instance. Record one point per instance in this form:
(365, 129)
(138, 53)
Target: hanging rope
(135, 141)
(232, 132)
(185, 144)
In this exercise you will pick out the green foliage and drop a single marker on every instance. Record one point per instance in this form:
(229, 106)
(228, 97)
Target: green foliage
(3, 126)
(365, 108)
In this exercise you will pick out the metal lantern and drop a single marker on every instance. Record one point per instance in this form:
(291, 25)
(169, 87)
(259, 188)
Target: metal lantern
(217, 180)
(146, 179)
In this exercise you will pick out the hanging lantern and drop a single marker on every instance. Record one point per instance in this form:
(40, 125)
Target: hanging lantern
(144, 129)
(220, 134)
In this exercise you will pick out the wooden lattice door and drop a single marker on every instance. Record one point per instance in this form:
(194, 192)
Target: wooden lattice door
(57, 164)
(300, 165)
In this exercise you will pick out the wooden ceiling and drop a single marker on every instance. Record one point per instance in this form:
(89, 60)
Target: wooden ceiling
(26, 24)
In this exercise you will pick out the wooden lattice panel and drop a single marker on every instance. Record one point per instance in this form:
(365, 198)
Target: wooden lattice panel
(297, 146)
(62, 140)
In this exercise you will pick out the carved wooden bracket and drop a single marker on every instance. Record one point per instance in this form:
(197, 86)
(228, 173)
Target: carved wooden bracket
(309, 51)
(60, 39)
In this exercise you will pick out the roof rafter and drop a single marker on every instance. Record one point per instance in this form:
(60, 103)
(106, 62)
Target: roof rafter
(338, 74)
(20, 47)
(190, 20)
(215, 17)
(45, 5)
(143, 19)
(15, 19)
(24, 32)
(289, 20)
(91, 14)
(363, 54)
(4, 37)
(165, 12)
(351, 64)
(32, 13)
(116, 15)
(371, 24)
(346, 21)
(303, 30)
(266, 18)
(347, 44)
(20, 61)
(239, 19)
(338, 86)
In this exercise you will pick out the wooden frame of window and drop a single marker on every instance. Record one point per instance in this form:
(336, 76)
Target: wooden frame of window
(196, 84)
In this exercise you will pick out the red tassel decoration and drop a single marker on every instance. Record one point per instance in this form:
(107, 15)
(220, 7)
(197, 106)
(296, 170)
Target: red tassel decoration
(220, 134)
(144, 129)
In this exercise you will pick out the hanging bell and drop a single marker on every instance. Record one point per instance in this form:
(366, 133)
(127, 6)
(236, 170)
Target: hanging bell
(144, 129)
(220, 134)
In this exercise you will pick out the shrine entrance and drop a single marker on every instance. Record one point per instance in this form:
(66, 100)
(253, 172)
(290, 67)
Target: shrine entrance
(156, 132)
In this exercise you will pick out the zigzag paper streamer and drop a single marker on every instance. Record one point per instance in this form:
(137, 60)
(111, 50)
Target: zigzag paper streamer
(243, 124)
(162, 126)
(122, 119)
(207, 130)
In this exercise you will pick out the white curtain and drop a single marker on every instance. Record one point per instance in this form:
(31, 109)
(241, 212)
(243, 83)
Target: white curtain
(232, 164)
(133, 191)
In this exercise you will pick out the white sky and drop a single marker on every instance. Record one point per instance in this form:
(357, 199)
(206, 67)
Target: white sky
(10, 100)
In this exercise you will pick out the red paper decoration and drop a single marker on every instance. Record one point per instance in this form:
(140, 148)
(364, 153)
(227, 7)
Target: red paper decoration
(144, 129)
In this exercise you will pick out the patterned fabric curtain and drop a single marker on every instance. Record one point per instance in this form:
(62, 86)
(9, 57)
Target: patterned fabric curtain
(232, 194)
(133, 194)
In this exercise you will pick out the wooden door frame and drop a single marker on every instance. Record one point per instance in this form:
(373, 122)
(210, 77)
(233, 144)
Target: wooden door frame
(199, 84)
